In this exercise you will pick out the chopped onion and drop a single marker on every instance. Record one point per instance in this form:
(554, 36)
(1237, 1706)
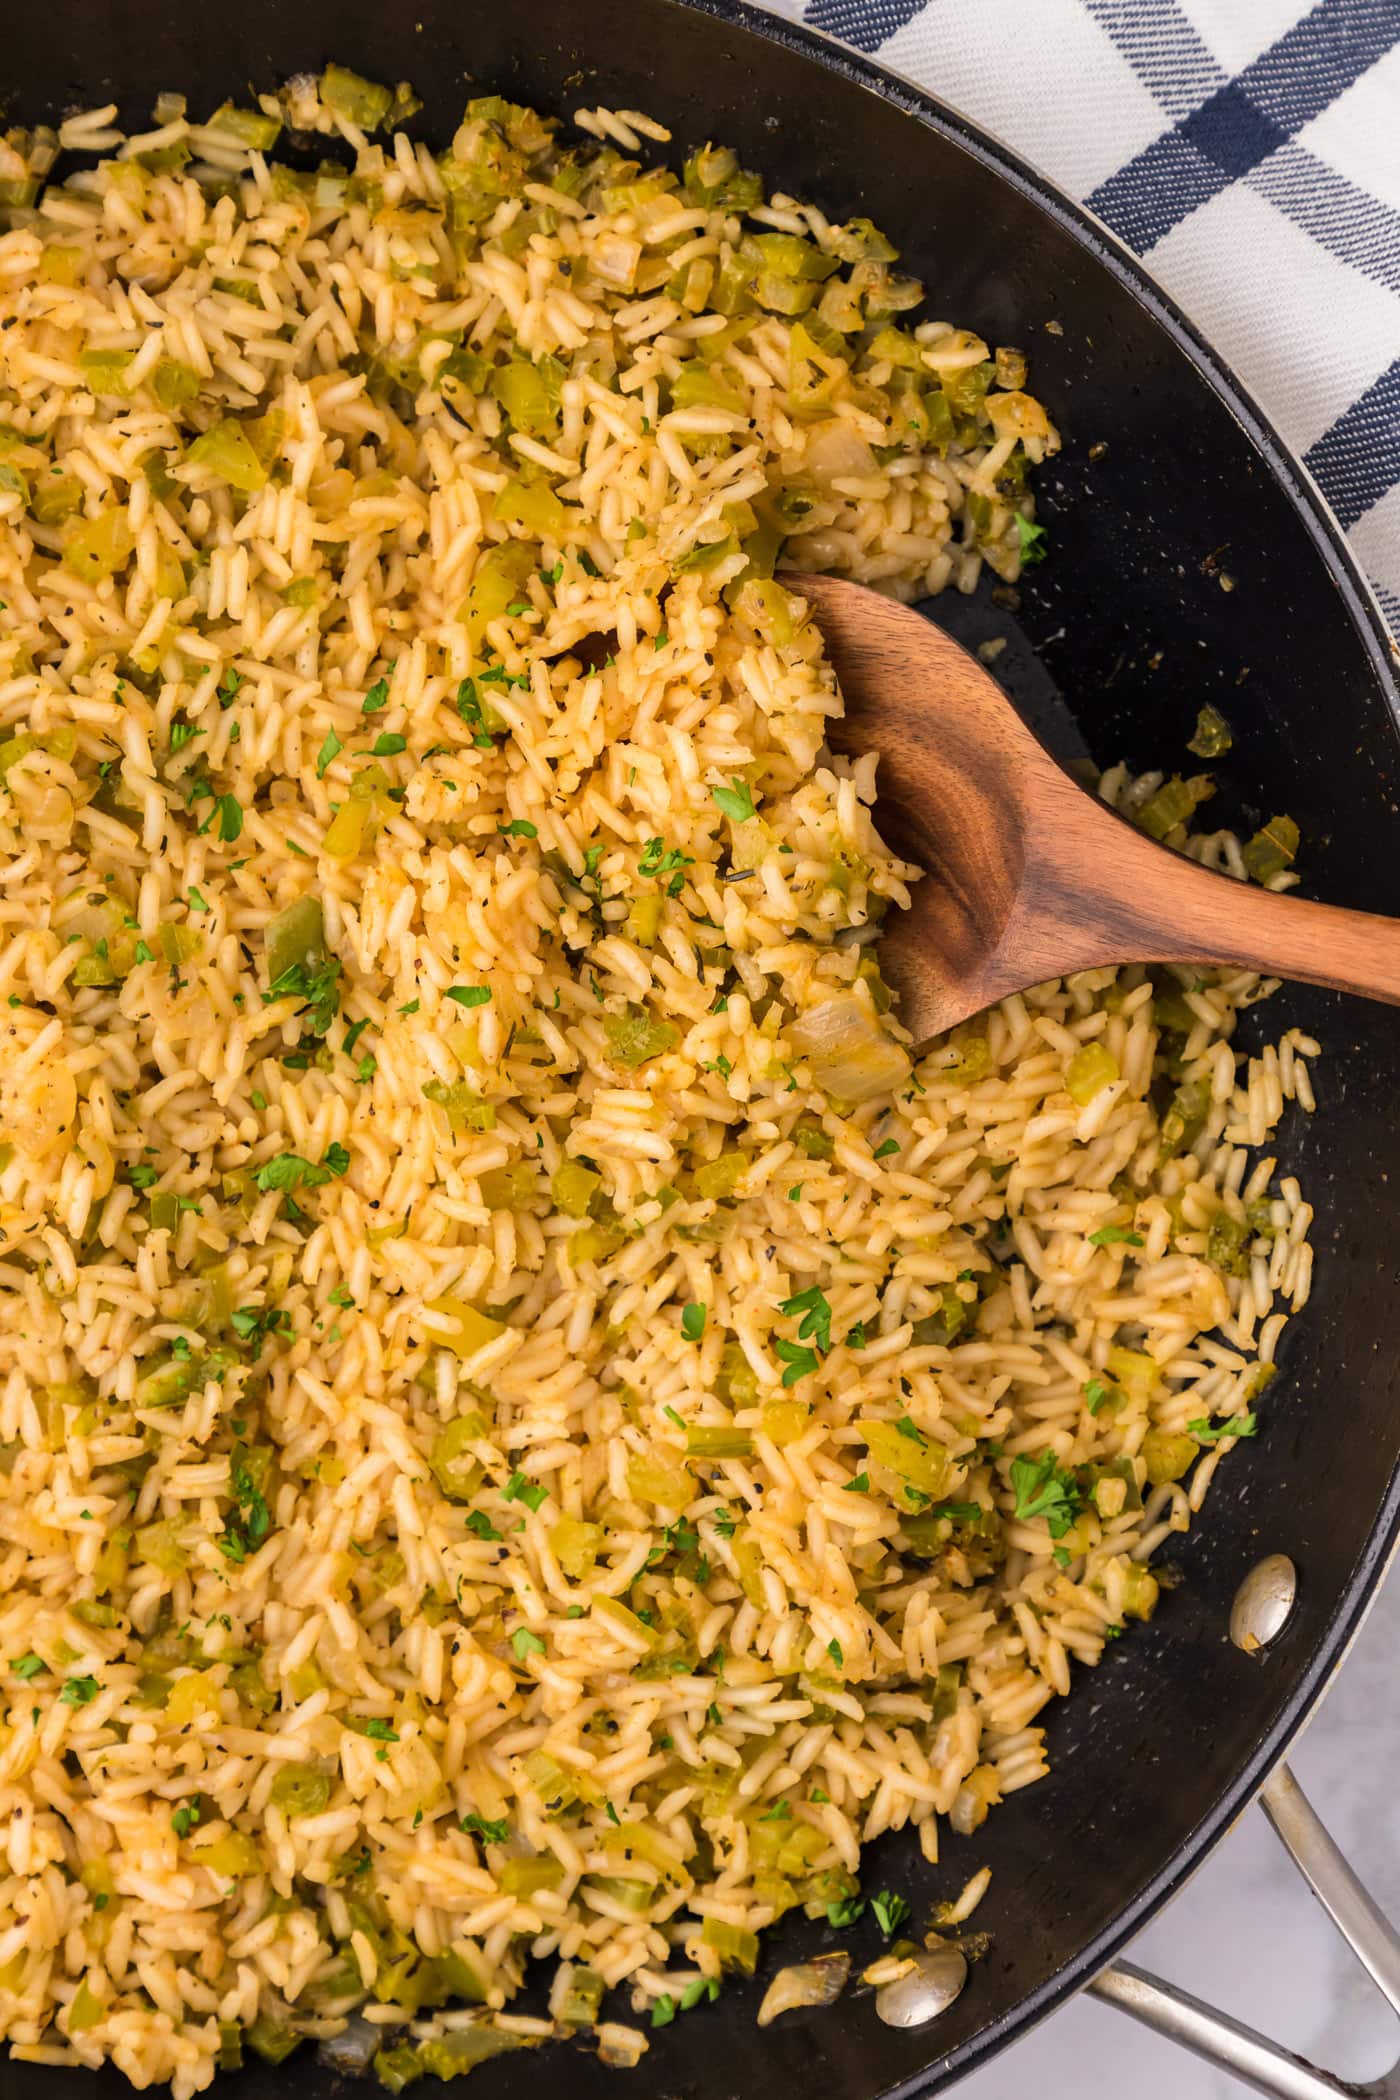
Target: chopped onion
(852, 1058)
(621, 2048)
(817, 1982)
(351, 2049)
(835, 452)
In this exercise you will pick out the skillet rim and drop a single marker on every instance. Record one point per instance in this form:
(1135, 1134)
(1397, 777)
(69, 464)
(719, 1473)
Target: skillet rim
(1383, 652)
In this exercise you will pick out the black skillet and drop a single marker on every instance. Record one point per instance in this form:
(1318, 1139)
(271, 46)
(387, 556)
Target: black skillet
(1169, 475)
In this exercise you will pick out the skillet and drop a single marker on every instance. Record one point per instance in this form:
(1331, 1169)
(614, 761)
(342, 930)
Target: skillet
(1169, 476)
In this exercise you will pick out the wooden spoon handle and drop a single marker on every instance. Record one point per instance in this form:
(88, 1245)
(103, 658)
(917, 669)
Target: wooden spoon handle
(1146, 904)
(1203, 917)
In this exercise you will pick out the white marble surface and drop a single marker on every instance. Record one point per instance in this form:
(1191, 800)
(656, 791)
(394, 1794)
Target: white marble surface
(1246, 1934)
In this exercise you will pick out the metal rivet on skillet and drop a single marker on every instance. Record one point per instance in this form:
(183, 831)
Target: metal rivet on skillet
(927, 1988)
(1263, 1603)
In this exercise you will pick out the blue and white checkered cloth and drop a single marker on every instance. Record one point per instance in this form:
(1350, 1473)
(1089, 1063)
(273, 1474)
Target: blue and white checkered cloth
(1250, 155)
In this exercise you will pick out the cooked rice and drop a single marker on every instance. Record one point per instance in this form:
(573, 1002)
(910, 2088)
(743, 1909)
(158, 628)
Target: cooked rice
(315, 1701)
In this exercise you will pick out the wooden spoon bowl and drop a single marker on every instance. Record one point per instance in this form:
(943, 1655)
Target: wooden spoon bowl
(1028, 876)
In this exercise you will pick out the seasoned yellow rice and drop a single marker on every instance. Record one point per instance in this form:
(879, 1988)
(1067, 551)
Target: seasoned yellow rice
(529, 1424)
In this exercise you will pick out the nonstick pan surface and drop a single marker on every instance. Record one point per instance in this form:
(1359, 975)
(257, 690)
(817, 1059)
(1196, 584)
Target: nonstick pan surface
(1169, 476)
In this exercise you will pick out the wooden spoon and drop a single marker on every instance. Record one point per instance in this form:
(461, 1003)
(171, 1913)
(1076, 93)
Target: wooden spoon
(1027, 875)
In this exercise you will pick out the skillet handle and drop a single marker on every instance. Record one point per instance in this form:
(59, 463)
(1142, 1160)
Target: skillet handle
(1226, 2042)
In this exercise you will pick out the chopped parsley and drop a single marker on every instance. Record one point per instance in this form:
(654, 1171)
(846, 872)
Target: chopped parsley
(290, 1171)
(1114, 1236)
(518, 828)
(245, 1532)
(1033, 541)
(229, 811)
(1042, 1490)
(389, 745)
(469, 994)
(182, 733)
(185, 1818)
(526, 1643)
(1211, 1432)
(815, 1325)
(800, 1362)
(693, 1322)
(26, 1666)
(847, 1910)
(376, 698)
(328, 751)
(519, 1489)
(735, 801)
(481, 1827)
(891, 1911)
(480, 1523)
(79, 1691)
(380, 1732)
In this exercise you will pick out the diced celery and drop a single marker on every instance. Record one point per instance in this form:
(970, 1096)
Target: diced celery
(232, 1855)
(581, 2000)
(95, 548)
(496, 584)
(529, 393)
(532, 505)
(698, 385)
(508, 1188)
(227, 454)
(104, 371)
(573, 1186)
(1167, 1456)
(1140, 1592)
(1227, 1244)
(85, 2009)
(620, 1615)
(1134, 1370)
(246, 127)
(918, 1461)
(783, 1421)
(55, 498)
(716, 1440)
(634, 1038)
(174, 385)
(462, 1104)
(271, 2040)
(192, 1695)
(60, 265)
(470, 1330)
(718, 1179)
(300, 1790)
(523, 1877)
(576, 1546)
(458, 1472)
(623, 1890)
(397, 2066)
(361, 102)
(1272, 849)
(1173, 804)
(736, 1948)
(653, 1480)
(1088, 1072)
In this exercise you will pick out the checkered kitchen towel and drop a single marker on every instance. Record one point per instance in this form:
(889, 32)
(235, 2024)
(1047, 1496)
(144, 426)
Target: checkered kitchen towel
(1248, 152)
